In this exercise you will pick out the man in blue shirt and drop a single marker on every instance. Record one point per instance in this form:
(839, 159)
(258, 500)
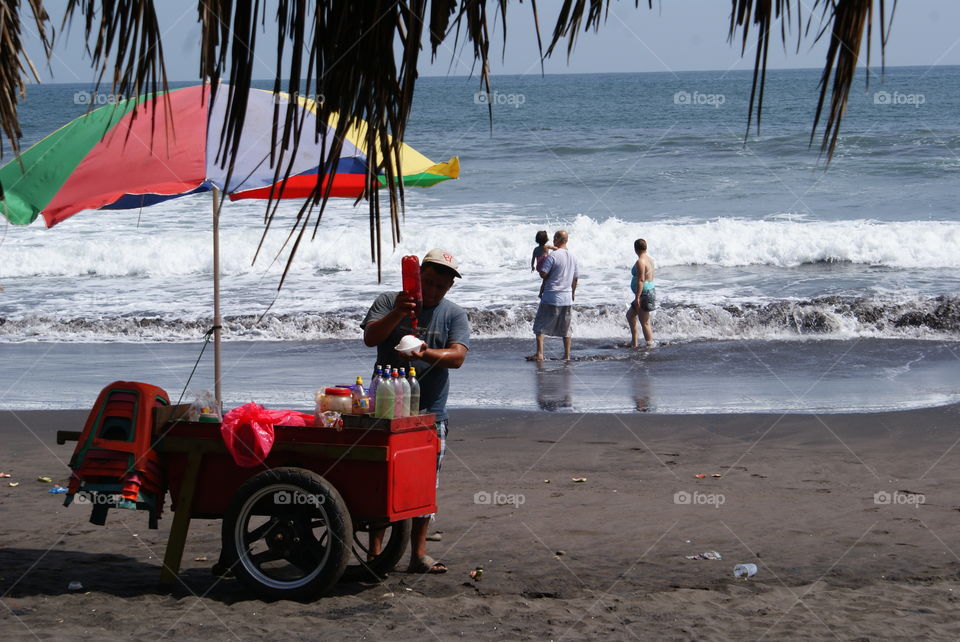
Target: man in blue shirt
(445, 331)
(559, 273)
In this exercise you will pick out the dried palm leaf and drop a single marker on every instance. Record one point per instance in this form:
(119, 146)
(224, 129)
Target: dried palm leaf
(15, 64)
(844, 19)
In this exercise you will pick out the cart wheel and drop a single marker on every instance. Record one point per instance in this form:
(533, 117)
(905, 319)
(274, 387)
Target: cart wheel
(287, 534)
(394, 546)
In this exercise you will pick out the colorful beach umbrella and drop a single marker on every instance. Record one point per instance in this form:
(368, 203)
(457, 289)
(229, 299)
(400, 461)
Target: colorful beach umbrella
(119, 157)
(116, 157)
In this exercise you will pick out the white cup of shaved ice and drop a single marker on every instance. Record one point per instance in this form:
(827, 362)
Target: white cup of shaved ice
(408, 344)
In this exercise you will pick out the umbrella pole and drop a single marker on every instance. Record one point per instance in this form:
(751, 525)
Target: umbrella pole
(216, 298)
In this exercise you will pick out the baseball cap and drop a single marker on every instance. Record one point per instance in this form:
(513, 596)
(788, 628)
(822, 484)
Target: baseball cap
(442, 257)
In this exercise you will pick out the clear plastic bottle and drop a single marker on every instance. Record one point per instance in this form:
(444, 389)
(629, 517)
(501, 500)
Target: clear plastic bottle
(414, 392)
(374, 384)
(404, 396)
(386, 399)
(397, 393)
(361, 400)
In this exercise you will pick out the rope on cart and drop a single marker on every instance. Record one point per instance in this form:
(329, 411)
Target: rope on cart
(209, 335)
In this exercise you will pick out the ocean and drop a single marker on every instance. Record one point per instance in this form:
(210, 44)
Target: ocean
(783, 284)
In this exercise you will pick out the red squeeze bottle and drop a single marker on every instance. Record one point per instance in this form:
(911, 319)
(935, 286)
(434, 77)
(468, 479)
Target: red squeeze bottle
(410, 267)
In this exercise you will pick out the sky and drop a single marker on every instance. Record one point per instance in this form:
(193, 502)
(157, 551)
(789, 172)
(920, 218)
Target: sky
(676, 35)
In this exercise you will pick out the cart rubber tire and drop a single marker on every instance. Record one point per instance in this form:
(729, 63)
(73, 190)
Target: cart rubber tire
(311, 565)
(359, 569)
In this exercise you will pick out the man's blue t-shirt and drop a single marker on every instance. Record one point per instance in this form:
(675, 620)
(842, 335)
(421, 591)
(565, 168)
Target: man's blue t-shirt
(438, 327)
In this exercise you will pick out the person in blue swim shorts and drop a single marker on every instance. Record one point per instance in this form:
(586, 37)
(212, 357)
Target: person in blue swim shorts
(644, 295)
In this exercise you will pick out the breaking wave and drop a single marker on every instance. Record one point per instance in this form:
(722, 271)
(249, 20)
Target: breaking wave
(781, 240)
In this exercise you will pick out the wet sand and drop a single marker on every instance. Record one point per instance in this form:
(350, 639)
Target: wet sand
(851, 520)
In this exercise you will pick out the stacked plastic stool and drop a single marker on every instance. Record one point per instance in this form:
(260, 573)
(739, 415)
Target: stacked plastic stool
(115, 464)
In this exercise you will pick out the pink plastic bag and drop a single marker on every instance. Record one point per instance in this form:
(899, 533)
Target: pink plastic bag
(247, 431)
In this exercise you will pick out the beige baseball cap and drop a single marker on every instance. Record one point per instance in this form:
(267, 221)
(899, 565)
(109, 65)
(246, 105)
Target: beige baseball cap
(444, 258)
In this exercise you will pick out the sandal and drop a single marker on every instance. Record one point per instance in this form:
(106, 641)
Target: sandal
(426, 564)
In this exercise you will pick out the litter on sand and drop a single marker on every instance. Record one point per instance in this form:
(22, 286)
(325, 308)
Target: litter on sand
(476, 574)
(4, 475)
(45, 479)
(700, 476)
(57, 490)
(706, 555)
(717, 475)
(14, 484)
(578, 479)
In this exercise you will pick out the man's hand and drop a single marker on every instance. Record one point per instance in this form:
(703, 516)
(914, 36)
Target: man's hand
(419, 352)
(405, 304)
(377, 331)
(450, 357)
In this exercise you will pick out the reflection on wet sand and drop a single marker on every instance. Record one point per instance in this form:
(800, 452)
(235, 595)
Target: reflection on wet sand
(554, 387)
(642, 391)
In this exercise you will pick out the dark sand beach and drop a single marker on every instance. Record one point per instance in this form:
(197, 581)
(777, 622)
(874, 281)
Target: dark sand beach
(851, 520)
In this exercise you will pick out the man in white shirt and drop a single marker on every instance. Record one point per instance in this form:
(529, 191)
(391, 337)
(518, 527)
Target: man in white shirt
(559, 274)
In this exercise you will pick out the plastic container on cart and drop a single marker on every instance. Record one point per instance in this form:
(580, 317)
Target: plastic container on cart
(374, 384)
(386, 399)
(403, 394)
(361, 399)
(337, 400)
(414, 392)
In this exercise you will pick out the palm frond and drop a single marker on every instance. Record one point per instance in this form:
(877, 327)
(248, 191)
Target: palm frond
(845, 20)
(15, 65)
(127, 43)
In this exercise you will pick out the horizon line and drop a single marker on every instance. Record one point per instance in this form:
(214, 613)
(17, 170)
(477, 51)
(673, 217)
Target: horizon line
(872, 69)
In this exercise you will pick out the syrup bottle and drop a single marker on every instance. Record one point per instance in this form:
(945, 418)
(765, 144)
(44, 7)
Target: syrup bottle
(410, 267)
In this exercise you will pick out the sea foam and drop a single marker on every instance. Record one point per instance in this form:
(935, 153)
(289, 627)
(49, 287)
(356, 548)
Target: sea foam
(343, 246)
